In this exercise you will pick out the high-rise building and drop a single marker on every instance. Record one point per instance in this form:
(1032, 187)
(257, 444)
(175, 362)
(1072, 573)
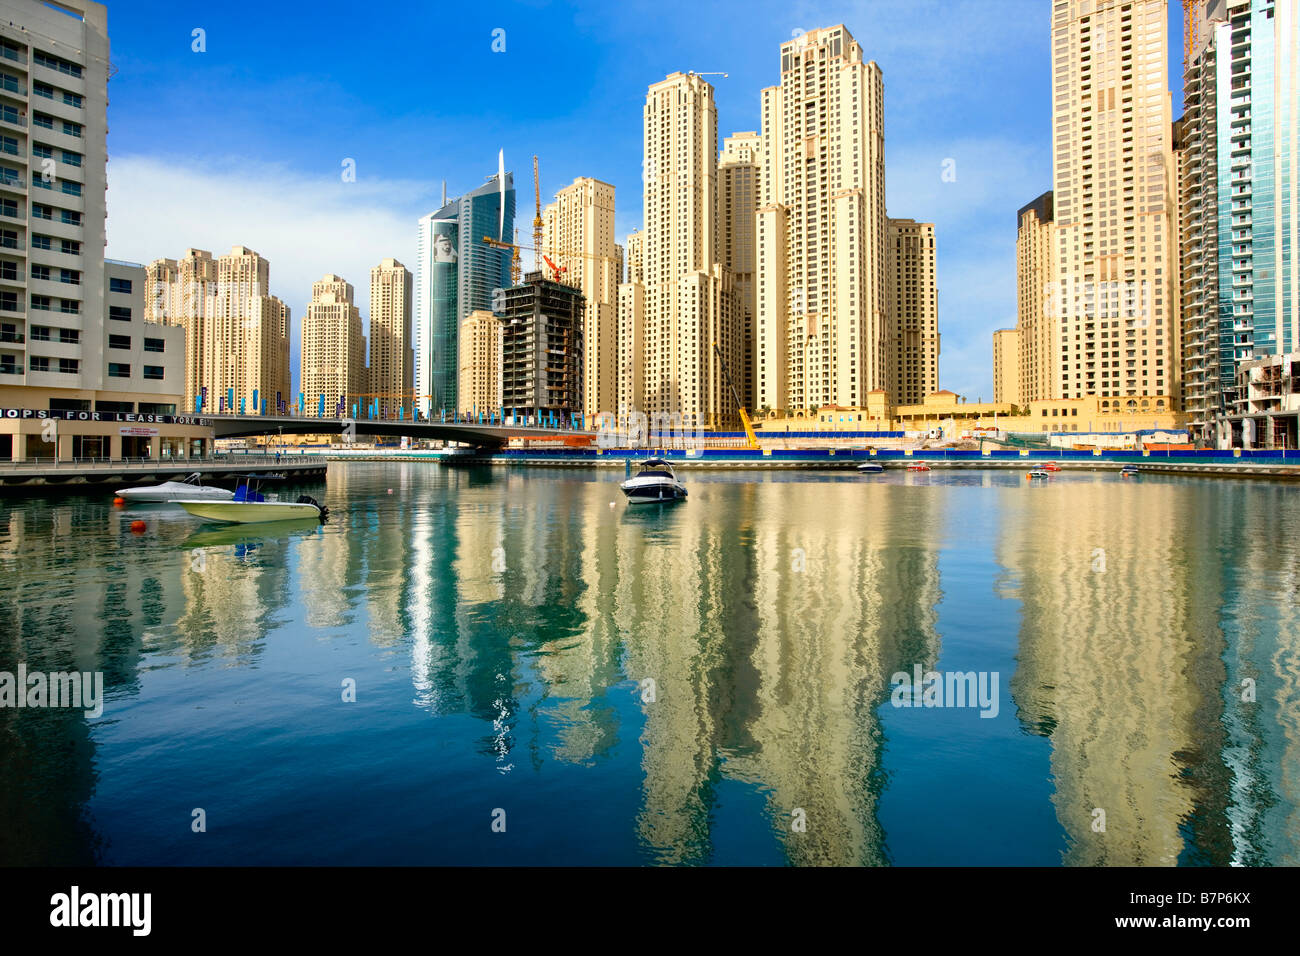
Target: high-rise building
(392, 360)
(913, 309)
(1006, 366)
(578, 236)
(1241, 193)
(74, 333)
(237, 332)
(457, 272)
(738, 171)
(541, 349)
(1114, 180)
(823, 329)
(1038, 367)
(635, 256)
(479, 354)
(689, 301)
(333, 349)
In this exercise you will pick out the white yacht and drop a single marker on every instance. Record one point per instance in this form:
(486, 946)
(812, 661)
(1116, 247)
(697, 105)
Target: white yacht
(192, 488)
(871, 468)
(654, 482)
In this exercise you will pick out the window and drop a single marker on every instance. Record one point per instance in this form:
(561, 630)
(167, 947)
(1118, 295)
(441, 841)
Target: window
(154, 345)
(8, 145)
(40, 333)
(40, 272)
(39, 88)
(39, 363)
(71, 99)
(69, 366)
(154, 372)
(9, 301)
(119, 370)
(43, 120)
(71, 129)
(119, 341)
(70, 306)
(39, 241)
(9, 82)
(9, 239)
(9, 270)
(41, 303)
(69, 247)
(68, 217)
(40, 211)
(56, 63)
(70, 336)
(9, 207)
(121, 313)
(41, 150)
(70, 187)
(71, 158)
(119, 285)
(70, 276)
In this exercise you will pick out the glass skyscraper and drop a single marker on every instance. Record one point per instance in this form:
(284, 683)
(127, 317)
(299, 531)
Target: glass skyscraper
(456, 272)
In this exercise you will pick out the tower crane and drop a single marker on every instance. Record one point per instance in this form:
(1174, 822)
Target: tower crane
(544, 254)
(537, 218)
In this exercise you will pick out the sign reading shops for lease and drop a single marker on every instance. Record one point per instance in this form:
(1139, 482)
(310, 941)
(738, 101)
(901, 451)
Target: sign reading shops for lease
(39, 414)
(138, 432)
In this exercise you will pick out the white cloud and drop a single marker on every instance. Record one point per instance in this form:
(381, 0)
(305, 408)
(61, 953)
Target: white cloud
(304, 226)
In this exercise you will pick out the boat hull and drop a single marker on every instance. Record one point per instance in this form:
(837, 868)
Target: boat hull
(871, 469)
(247, 512)
(652, 493)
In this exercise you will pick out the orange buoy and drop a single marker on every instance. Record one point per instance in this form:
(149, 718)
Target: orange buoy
(137, 527)
(119, 502)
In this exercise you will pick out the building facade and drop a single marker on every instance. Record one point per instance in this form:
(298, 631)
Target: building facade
(1038, 366)
(237, 333)
(479, 354)
(823, 329)
(333, 361)
(687, 299)
(739, 168)
(392, 358)
(578, 236)
(1006, 366)
(83, 374)
(1240, 197)
(913, 309)
(541, 350)
(456, 272)
(1115, 205)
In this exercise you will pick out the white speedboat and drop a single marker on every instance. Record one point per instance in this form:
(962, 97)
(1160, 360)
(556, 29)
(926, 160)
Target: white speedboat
(871, 468)
(1037, 474)
(191, 488)
(249, 505)
(654, 482)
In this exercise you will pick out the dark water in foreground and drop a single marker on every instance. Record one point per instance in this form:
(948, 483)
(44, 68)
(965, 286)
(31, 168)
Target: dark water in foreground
(706, 683)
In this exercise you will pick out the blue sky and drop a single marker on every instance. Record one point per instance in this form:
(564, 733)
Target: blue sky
(243, 144)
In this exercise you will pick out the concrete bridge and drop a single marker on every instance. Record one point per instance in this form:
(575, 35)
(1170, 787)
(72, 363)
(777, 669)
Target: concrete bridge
(471, 433)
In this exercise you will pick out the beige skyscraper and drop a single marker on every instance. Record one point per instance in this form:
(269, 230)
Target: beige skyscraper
(333, 348)
(738, 170)
(578, 235)
(1115, 201)
(1006, 366)
(1038, 366)
(635, 256)
(913, 308)
(824, 334)
(237, 333)
(689, 299)
(392, 360)
(479, 380)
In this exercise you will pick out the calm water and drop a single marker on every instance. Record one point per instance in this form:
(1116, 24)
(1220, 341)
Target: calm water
(706, 683)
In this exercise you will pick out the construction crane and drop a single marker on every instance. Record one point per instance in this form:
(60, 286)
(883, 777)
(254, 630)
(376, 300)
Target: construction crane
(696, 73)
(514, 260)
(744, 418)
(544, 254)
(537, 218)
